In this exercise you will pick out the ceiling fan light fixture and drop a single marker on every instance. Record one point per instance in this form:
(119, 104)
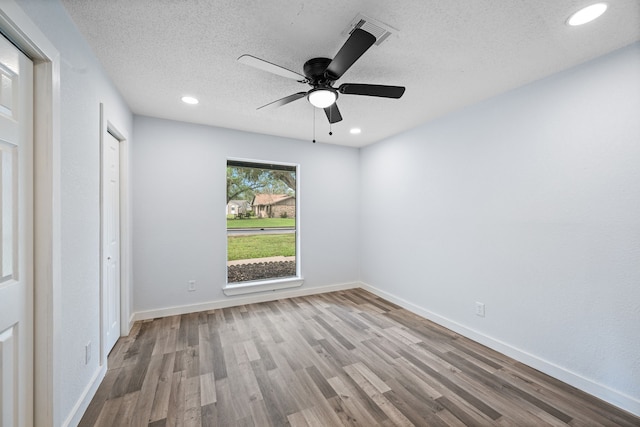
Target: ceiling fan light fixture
(322, 97)
(587, 14)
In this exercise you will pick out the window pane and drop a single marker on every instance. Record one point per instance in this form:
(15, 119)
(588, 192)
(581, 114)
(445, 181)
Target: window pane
(261, 221)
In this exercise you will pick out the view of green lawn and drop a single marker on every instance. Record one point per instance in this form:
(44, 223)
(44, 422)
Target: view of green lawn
(261, 222)
(260, 246)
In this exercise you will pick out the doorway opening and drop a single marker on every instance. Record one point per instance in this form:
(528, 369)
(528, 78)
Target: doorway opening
(115, 236)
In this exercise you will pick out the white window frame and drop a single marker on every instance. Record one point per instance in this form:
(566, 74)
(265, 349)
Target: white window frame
(275, 284)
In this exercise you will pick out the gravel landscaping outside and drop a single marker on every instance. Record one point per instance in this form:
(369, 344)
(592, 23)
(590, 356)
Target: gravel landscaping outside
(260, 271)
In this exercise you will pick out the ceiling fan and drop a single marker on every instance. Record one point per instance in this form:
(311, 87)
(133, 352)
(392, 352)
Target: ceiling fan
(321, 73)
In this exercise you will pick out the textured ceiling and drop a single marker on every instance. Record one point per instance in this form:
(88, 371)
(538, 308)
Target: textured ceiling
(448, 54)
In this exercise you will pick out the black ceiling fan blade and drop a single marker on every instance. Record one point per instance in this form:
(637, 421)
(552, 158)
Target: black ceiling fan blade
(283, 101)
(357, 44)
(333, 114)
(270, 67)
(372, 90)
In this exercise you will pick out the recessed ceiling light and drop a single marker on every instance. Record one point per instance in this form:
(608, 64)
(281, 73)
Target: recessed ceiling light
(355, 131)
(587, 14)
(190, 100)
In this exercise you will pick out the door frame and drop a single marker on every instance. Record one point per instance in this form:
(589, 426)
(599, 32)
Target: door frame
(18, 27)
(107, 127)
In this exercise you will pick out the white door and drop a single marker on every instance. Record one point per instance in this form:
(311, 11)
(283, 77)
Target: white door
(16, 237)
(111, 240)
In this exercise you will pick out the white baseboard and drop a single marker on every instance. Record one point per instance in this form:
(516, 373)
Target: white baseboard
(601, 391)
(232, 302)
(132, 319)
(78, 410)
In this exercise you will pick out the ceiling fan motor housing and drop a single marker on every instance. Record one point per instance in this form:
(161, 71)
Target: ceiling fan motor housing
(314, 70)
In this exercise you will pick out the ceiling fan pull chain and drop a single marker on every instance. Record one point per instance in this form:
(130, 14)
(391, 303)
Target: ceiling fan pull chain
(314, 125)
(330, 121)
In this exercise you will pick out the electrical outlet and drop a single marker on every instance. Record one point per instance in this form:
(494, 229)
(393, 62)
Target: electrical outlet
(479, 309)
(192, 286)
(87, 353)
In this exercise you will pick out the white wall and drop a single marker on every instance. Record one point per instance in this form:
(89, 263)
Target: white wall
(83, 87)
(529, 203)
(179, 199)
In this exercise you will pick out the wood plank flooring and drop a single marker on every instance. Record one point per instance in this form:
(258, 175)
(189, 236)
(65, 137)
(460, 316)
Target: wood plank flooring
(343, 358)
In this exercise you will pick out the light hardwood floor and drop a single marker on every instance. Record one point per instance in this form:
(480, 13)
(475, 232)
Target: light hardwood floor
(342, 358)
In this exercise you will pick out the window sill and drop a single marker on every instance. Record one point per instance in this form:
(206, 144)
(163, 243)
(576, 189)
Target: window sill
(262, 286)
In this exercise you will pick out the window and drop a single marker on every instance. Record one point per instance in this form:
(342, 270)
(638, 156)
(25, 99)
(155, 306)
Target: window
(262, 233)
